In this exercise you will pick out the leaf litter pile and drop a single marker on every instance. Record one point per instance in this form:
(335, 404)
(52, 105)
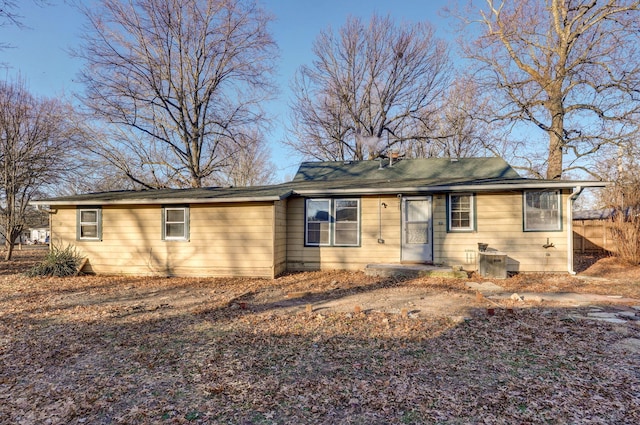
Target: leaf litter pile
(125, 350)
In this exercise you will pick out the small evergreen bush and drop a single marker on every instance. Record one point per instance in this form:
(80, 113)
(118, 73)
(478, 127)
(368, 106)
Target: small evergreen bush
(58, 262)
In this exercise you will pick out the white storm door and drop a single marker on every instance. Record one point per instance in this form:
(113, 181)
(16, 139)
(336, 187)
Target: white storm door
(417, 230)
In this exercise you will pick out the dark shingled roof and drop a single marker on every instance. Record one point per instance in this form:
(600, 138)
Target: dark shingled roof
(253, 193)
(430, 169)
(341, 177)
(593, 214)
(604, 214)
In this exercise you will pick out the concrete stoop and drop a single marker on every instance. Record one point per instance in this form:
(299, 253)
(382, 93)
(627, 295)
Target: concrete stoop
(408, 271)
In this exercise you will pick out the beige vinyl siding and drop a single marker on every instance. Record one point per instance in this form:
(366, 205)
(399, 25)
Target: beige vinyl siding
(264, 239)
(280, 237)
(499, 221)
(376, 222)
(224, 240)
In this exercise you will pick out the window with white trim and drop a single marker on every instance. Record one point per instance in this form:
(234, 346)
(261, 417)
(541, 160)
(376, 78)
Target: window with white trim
(318, 222)
(542, 210)
(332, 222)
(89, 227)
(346, 226)
(175, 223)
(461, 212)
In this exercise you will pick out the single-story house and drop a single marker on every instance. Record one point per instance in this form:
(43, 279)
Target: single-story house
(38, 235)
(332, 215)
(24, 238)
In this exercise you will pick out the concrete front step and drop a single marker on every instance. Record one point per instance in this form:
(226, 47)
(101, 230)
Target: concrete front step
(412, 271)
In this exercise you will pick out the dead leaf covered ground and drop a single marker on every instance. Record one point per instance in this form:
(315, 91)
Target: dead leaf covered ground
(127, 350)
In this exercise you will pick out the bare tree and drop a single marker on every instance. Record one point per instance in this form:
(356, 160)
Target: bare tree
(9, 15)
(178, 81)
(36, 146)
(98, 176)
(368, 86)
(458, 128)
(569, 67)
(251, 166)
(622, 167)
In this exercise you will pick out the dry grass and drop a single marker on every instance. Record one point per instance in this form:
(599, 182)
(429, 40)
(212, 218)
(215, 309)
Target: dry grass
(23, 259)
(115, 350)
(625, 231)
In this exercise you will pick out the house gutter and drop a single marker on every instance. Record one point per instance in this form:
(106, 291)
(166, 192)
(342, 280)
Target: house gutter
(320, 192)
(448, 188)
(165, 201)
(570, 200)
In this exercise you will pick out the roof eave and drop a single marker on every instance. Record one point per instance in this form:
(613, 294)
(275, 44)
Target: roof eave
(453, 188)
(163, 201)
(530, 184)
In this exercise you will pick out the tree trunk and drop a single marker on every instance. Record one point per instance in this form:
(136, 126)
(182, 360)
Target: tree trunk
(556, 143)
(9, 252)
(12, 236)
(358, 154)
(554, 168)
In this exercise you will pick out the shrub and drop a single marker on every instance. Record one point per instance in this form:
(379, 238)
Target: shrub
(58, 262)
(625, 231)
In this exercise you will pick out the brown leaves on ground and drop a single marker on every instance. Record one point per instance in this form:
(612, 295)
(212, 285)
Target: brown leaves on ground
(131, 350)
(597, 275)
(23, 258)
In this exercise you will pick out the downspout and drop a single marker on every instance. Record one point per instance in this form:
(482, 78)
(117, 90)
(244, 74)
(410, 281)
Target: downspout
(570, 200)
(380, 204)
(379, 219)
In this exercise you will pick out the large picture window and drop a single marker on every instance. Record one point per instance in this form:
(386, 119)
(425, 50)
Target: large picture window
(332, 222)
(461, 212)
(175, 223)
(89, 224)
(542, 210)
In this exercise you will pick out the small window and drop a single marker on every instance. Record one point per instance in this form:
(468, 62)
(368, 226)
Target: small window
(332, 222)
(89, 226)
(461, 212)
(542, 210)
(175, 223)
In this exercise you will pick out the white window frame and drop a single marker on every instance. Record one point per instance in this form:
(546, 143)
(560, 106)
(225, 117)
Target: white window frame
(184, 222)
(450, 211)
(307, 222)
(526, 211)
(335, 221)
(332, 204)
(97, 223)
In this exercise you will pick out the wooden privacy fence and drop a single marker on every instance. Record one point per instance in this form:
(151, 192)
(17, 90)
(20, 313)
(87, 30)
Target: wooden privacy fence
(592, 236)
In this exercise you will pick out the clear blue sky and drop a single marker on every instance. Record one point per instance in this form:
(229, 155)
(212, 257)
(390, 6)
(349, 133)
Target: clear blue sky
(39, 54)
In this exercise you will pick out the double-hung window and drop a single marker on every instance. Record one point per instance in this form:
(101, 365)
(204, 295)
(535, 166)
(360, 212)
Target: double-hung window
(318, 222)
(346, 225)
(175, 223)
(89, 224)
(461, 212)
(332, 222)
(542, 210)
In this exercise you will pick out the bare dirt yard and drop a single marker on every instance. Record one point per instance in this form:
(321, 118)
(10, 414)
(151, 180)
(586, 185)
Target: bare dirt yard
(320, 348)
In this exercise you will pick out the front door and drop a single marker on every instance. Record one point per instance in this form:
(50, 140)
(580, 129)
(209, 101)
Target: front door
(416, 230)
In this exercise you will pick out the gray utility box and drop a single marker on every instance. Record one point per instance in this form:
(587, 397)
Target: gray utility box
(493, 264)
